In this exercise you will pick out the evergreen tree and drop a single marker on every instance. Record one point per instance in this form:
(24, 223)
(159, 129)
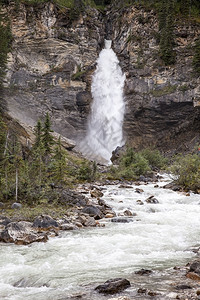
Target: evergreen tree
(47, 138)
(59, 163)
(167, 53)
(38, 134)
(196, 58)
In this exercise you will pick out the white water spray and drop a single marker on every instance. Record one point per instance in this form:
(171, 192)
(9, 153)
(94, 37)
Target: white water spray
(105, 123)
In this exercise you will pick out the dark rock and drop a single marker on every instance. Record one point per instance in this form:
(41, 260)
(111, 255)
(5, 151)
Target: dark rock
(5, 220)
(16, 205)
(21, 233)
(139, 202)
(45, 222)
(69, 197)
(1, 205)
(143, 272)
(152, 200)
(113, 286)
(142, 291)
(93, 211)
(117, 153)
(183, 287)
(142, 178)
(139, 191)
(172, 186)
(195, 267)
(121, 220)
(128, 213)
(125, 186)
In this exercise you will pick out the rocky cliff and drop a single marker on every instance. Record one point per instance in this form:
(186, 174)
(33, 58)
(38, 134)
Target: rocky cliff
(52, 62)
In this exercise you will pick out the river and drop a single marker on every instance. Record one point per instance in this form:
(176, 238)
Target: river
(159, 237)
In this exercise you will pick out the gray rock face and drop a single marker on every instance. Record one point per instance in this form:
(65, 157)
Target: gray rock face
(53, 59)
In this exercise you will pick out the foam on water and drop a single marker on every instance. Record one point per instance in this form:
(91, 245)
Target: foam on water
(104, 132)
(159, 237)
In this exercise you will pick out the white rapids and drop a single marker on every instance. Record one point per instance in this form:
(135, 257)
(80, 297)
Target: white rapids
(104, 132)
(160, 236)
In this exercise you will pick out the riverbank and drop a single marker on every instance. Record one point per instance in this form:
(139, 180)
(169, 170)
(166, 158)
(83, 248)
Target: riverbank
(143, 227)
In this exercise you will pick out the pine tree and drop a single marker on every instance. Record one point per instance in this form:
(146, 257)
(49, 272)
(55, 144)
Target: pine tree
(196, 58)
(47, 138)
(167, 53)
(38, 134)
(59, 163)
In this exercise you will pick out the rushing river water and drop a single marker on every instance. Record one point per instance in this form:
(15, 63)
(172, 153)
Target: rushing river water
(160, 236)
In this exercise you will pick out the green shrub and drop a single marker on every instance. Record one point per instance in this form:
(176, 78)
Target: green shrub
(155, 158)
(186, 171)
(86, 171)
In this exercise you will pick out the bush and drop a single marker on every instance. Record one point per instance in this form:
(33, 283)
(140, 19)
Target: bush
(155, 158)
(186, 171)
(87, 171)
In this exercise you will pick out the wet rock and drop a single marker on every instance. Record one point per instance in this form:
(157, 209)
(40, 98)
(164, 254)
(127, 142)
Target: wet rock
(113, 286)
(93, 211)
(143, 272)
(101, 202)
(87, 221)
(45, 222)
(183, 287)
(172, 186)
(67, 227)
(120, 298)
(125, 186)
(21, 233)
(139, 191)
(152, 200)
(142, 178)
(142, 291)
(16, 205)
(5, 220)
(195, 267)
(193, 276)
(96, 193)
(156, 186)
(121, 220)
(139, 202)
(128, 213)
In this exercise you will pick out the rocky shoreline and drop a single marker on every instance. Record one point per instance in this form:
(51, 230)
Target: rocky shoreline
(183, 282)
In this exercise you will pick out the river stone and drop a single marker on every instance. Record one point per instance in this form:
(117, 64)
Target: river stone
(66, 226)
(120, 298)
(152, 200)
(121, 220)
(128, 213)
(195, 267)
(139, 202)
(143, 272)
(93, 211)
(96, 193)
(139, 191)
(16, 205)
(21, 233)
(44, 222)
(113, 286)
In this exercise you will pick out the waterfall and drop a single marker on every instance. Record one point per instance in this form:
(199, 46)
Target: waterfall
(104, 131)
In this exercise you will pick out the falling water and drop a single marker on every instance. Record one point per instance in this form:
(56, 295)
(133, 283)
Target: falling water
(105, 122)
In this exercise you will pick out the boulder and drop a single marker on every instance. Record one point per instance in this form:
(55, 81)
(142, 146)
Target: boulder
(45, 222)
(121, 220)
(128, 213)
(5, 220)
(113, 286)
(125, 186)
(139, 202)
(152, 200)
(67, 226)
(93, 211)
(21, 233)
(16, 205)
(96, 193)
(143, 272)
(195, 267)
(172, 186)
(71, 198)
(1, 205)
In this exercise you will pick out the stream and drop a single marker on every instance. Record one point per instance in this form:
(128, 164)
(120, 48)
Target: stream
(159, 237)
